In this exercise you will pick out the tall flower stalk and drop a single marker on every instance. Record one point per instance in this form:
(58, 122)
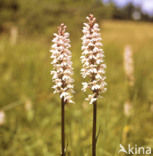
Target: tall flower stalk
(62, 74)
(2, 117)
(129, 72)
(129, 65)
(93, 68)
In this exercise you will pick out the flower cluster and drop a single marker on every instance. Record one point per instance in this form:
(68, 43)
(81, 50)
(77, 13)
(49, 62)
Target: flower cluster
(62, 65)
(127, 108)
(93, 59)
(129, 65)
(2, 117)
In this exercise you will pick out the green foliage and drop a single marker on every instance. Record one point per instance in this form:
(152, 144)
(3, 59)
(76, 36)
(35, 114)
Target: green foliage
(37, 15)
(8, 12)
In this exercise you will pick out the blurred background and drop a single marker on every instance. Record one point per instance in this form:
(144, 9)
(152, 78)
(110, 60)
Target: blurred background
(30, 113)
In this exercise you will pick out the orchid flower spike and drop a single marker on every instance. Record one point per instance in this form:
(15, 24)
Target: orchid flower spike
(62, 65)
(129, 65)
(2, 117)
(93, 59)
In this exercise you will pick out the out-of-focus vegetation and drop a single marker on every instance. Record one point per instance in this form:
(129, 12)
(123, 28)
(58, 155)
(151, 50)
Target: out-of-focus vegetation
(36, 15)
(32, 124)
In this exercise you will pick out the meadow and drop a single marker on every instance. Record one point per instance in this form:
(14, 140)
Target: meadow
(32, 124)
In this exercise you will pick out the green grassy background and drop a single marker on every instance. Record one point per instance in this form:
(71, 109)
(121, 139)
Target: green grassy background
(25, 78)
